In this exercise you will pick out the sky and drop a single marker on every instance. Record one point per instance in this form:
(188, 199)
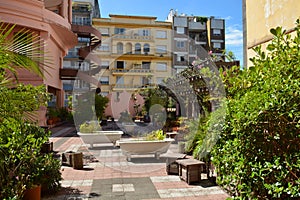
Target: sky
(230, 10)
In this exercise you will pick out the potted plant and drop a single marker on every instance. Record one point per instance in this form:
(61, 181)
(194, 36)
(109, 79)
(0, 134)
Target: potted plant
(154, 143)
(91, 133)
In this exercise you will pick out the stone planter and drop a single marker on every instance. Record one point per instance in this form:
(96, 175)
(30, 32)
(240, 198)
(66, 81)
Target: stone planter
(143, 147)
(129, 128)
(99, 137)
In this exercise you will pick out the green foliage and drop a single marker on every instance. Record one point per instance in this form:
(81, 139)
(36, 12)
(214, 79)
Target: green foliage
(156, 135)
(89, 106)
(125, 117)
(100, 105)
(90, 127)
(196, 133)
(258, 154)
(21, 101)
(21, 163)
(154, 96)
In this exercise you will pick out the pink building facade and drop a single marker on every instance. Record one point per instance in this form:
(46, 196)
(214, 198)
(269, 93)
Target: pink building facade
(51, 20)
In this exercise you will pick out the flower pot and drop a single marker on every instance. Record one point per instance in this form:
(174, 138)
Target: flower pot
(33, 193)
(50, 121)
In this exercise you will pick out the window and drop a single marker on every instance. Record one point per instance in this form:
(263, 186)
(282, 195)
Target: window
(120, 31)
(161, 49)
(180, 30)
(217, 45)
(83, 39)
(120, 48)
(161, 34)
(144, 32)
(146, 48)
(104, 47)
(161, 66)
(145, 81)
(216, 32)
(120, 64)
(104, 31)
(79, 20)
(180, 44)
(146, 65)
(180, 58)
(137, 48)
(104, 64)
(159, 80)
(128, 48)
(67, 64)
(84, 66)
(104, 80)
(104, 94)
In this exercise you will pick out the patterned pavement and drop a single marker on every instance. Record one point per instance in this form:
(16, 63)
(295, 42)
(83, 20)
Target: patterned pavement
(107, 175)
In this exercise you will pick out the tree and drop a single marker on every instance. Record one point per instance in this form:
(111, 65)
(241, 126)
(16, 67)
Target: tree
(258, 154)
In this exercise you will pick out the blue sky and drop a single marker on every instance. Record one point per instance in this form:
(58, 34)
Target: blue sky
(230, 10)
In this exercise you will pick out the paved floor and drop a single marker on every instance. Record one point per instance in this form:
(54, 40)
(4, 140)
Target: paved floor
(108, 175)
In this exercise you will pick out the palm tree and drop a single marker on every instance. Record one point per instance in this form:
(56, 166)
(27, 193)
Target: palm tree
(23, 50)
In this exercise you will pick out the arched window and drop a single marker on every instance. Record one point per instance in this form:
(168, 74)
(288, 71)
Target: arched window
(137, 48)
(128, 47)
(146, 48)
(120, 48)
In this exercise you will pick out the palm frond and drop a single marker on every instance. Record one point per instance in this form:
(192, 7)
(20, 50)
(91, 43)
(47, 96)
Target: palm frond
(24, 50)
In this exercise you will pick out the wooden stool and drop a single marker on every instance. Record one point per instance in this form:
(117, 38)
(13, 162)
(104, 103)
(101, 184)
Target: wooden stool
(77, 160)
(190, 170)
(73, 159)
(172, 166)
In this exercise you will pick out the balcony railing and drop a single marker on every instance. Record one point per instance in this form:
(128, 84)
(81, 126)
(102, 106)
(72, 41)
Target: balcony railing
(131, 86)
(137, 71)
(132, 37)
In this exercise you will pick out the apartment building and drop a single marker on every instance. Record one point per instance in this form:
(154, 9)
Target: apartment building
(194, 36)
(51, 21)
(80, 64)
(135, 53)
(259, 16)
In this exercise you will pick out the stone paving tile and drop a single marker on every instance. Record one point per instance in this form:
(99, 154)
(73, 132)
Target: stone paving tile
(142, 178)
(164, 178)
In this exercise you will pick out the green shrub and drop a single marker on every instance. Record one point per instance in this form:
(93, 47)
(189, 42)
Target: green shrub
(90, 127)
(156, 135)
(258, 155)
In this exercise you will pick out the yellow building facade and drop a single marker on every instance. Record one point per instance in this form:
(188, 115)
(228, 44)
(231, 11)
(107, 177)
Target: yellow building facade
(135, 52)
(259, 16)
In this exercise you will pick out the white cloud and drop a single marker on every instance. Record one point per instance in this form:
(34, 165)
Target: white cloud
(228, 18)
(234, 36)
(234, 41)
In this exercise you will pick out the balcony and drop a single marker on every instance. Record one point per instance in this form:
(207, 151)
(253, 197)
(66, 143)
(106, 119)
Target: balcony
(68, 74)
(197, 26)
(133, 37)
(116, 71)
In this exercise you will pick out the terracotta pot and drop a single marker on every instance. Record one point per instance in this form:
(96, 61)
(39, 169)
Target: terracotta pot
(50, 121)
(33, 193)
